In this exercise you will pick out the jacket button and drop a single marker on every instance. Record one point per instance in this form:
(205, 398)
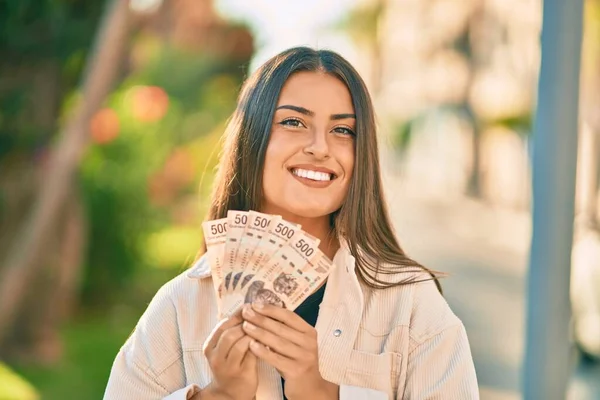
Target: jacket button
(337, 333)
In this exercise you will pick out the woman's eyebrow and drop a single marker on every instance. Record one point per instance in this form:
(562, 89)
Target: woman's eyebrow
(310, 113)
(342, 116)
(299, 109)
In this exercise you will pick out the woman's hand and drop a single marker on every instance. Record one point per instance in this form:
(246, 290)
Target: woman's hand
(288, 343)
(233, 366)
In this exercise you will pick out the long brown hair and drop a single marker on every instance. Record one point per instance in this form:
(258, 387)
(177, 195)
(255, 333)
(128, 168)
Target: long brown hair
(363, 219)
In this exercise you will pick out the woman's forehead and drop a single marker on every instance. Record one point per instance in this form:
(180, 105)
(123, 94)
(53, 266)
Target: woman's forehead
(316, 91)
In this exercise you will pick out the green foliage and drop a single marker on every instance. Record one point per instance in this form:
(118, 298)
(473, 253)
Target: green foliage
(53, 36)
(34, 30)
(15, 387)
(362, 23)
(91, 347)
(521, 124)
(405, 130)
(139, 184)
(402, 135)
(91, 343)
(173, 246)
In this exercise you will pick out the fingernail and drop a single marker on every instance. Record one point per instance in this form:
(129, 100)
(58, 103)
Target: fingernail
(258, 306)
(249, 312)
(249, 326)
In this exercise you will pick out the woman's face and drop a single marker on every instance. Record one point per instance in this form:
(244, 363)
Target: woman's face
(310, 156)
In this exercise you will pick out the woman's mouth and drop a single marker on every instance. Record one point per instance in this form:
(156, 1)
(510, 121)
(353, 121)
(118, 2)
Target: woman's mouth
(312, 175)
(312, 178)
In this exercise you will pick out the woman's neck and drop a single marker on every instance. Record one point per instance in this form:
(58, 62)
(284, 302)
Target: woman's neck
(319, 227)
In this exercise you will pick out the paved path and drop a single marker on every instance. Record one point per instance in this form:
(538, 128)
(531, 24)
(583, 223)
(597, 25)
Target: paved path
(485, 251)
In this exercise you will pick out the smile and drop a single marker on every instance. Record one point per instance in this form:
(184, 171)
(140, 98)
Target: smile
(317, 178)
(312, 175)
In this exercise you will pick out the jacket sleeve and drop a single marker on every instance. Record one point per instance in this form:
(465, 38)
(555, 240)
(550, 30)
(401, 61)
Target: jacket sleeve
(130, 381)
(149, 365)
(441, 367)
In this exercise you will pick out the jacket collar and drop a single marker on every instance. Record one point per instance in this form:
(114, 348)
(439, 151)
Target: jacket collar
(200, 269)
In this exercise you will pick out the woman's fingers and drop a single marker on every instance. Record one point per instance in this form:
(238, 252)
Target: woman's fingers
(276, 343)
(281, 363)
(273, 326)
(249, 360)
(283, 315)
(215, 335)
(228, 339)
(237, 352)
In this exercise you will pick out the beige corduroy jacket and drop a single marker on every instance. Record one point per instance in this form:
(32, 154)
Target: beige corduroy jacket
(399, 343)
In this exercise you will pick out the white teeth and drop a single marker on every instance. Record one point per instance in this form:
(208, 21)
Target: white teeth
(313, 175)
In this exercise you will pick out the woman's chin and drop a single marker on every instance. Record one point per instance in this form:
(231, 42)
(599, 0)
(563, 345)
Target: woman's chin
(308, 210)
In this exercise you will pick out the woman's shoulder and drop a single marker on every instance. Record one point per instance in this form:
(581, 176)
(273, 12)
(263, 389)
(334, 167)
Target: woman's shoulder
(169, 325)
(180, 296)
(192, 286)
(417, 304)
(192, 282)
(177, 305)
(431, 314)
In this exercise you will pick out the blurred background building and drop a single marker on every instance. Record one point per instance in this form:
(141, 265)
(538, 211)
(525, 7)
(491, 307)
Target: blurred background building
(454, 82)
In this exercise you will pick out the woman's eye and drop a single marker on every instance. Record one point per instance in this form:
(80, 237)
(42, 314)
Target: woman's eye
(291, 122)
(344, 131)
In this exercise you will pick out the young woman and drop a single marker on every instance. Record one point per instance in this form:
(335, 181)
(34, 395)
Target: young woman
(378, 329)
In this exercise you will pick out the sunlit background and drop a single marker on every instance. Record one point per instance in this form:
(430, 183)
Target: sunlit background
(454, 82)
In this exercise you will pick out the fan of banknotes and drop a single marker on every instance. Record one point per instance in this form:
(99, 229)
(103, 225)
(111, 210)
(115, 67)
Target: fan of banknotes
(257, 257)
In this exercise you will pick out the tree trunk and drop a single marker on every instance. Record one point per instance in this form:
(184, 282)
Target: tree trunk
(474, 182)
(60, 297)
(21, 177)
(463, 44)
(72, 254)
(52, 294)
(25, 256)
(377, 50)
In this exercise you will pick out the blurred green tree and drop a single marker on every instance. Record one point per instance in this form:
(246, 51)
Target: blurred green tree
(143, 168)
(43, 45)
(39, 66)
(148, 145)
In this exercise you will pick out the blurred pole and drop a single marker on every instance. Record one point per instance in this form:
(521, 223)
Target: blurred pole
(547, 366)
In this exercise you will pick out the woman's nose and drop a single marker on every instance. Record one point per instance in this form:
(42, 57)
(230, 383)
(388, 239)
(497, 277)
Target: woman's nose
(318, 146)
